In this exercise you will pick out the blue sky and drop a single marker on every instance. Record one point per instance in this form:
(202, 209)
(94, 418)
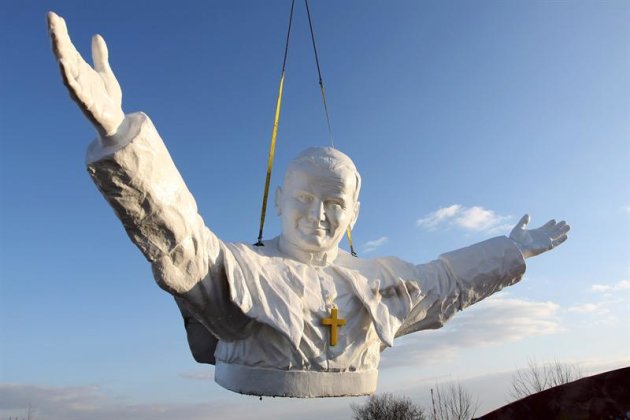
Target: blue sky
(461, 116)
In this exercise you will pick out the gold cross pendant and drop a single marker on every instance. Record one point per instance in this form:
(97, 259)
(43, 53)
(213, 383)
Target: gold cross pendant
(333, 322)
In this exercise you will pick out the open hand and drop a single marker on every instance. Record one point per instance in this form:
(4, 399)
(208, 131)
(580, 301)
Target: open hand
(95, 90)
(536, 241)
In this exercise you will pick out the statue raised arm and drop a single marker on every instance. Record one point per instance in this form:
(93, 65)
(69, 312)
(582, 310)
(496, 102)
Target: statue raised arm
(143, 186)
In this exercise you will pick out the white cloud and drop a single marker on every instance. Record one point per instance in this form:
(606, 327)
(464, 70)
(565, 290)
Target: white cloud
(607, 288)
(475, 219)
(607, 309)
(588, 308)
(94, 403)
(372, 245)
(499, 319)
(432, 220)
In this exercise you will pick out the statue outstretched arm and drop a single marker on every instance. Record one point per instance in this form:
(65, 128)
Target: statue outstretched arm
(458, 279)
(465, 276)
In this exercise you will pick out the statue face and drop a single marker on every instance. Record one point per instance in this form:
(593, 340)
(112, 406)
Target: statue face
(316, 206)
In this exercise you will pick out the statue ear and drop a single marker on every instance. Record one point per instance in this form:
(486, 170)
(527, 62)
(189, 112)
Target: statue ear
(357, 207)
(278, 200)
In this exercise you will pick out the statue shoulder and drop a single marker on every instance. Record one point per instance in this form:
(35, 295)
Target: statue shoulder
(376, 265)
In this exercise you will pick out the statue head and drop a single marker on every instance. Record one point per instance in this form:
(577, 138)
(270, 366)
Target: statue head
(319, 199)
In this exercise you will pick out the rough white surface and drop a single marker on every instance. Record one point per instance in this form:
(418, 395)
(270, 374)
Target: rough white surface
(257, 311)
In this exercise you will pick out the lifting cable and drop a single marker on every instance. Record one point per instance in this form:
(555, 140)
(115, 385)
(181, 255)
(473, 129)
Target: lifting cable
(321, 87)
(319, 73)
(277, 118)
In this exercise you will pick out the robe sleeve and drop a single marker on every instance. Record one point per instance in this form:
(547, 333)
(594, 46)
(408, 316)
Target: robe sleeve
(138, 178)
(459, 279)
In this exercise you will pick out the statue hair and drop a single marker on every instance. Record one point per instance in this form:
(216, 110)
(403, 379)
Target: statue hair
(327, 158)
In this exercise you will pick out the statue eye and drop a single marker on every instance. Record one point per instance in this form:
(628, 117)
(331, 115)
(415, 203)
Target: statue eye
(304, 198)
(336, 203)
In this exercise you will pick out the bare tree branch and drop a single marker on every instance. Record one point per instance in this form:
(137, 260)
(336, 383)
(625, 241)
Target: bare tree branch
(538, 377)
(453, 402)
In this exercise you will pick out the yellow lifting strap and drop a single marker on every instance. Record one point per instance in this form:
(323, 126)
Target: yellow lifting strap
(349, 234)
(272, 151)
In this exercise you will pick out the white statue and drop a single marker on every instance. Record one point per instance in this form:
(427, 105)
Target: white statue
(298, 317)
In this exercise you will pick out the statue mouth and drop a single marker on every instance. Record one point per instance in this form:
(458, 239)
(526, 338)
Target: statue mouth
(317, 230)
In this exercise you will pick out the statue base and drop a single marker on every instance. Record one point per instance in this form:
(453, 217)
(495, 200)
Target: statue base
(294, 383)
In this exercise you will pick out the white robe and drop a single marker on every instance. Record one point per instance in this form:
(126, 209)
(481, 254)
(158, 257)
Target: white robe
(263, 309)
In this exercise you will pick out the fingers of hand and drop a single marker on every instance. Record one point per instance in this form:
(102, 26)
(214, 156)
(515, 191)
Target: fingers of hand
(560, 229)
(558, 241)
(555, 230)
(62, 45)
(523, 222)
(100, 55)
(70, 60)
(549, 225)
(56, 25)
(519, 233)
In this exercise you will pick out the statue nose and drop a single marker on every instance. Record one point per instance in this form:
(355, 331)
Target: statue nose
(316, 211)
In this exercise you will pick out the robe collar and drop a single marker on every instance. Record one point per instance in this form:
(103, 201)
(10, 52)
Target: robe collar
(320, 259)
